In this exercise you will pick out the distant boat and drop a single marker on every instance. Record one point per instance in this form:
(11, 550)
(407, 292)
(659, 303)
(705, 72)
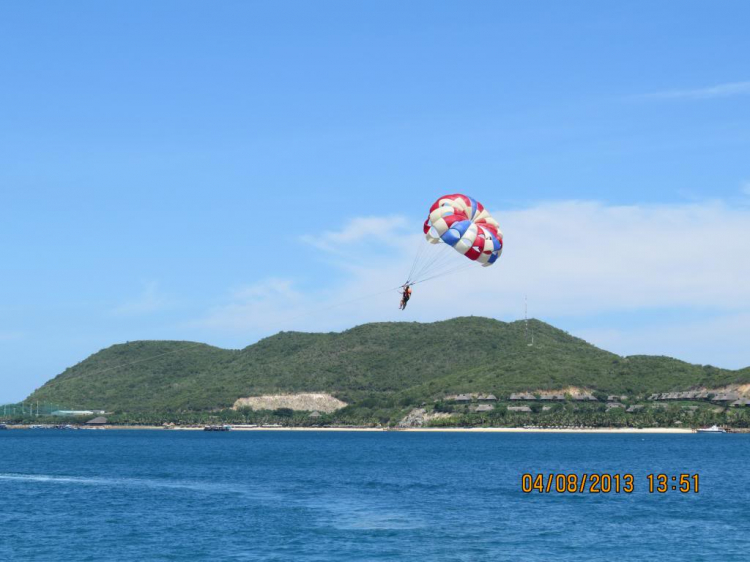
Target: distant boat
(712, 429)
(3, 426)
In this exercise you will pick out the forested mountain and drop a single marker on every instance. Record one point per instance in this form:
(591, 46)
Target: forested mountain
(398, 363)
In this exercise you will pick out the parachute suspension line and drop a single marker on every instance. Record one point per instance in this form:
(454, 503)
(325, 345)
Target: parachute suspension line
(429, 254)
(435, 260)
(423, 254)
(446, 272)
(418, 259)
(446, 269)
(423, 257)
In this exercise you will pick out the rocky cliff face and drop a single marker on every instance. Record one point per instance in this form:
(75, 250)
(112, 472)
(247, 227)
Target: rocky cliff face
(304, 401)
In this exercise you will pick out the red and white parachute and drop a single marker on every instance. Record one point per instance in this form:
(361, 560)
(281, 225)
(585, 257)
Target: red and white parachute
(457, 223)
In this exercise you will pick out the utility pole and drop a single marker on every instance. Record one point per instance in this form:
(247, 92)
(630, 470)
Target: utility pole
(526, 316)
(526, 320)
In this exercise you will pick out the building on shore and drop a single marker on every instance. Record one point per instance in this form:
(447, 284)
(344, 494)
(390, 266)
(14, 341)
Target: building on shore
(484, 408)
(726, 397)
(522, 396)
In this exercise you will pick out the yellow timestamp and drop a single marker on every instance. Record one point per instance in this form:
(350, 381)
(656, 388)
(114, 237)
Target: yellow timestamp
(663, 483)
(606, 483)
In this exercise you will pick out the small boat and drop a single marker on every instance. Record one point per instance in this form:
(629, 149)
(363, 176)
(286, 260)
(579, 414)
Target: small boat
(712, 429)
(3, 426)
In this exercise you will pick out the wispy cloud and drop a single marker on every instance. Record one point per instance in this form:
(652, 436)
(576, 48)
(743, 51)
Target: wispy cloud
(357, 230)
(718, 91)
(150, 300)
(262, 304)
(575, 259)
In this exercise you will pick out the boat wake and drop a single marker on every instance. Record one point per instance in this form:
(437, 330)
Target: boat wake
(199, 487)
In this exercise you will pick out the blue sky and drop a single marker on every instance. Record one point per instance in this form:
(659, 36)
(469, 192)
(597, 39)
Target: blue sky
(194, 170)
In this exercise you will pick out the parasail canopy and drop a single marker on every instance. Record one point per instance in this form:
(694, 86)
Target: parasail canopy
(456, 223)
(463, 223)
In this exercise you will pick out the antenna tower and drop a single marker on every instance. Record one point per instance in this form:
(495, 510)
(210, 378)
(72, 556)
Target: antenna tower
(526, 320)
(526, 316)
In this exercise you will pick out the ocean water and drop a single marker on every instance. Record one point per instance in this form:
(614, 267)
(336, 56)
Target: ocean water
(160, 495)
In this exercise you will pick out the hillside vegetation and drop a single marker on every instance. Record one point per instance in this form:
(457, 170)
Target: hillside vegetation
(375, 366)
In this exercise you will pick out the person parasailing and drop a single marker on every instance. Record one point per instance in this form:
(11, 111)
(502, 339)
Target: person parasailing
(405, 296)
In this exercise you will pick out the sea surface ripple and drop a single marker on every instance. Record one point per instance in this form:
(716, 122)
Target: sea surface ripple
(320, 496)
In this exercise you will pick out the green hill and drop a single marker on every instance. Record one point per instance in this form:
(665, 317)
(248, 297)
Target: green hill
(374, 365)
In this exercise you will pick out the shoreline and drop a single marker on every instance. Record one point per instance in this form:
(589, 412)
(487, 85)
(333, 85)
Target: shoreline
(478, 429)
(601, 430)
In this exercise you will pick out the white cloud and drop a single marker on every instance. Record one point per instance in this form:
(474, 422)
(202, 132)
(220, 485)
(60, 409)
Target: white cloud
(371, 229)
(575, 260)
(587, 258)
(719, 91)
(253, 306)
(149, 301)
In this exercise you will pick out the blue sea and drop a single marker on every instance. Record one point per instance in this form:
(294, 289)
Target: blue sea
(271, 495)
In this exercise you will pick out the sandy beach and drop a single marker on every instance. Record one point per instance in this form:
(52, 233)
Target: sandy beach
(409, 430)
(466, 429)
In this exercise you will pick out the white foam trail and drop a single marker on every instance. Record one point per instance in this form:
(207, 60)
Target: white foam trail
(55, 479)
(203, 487)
